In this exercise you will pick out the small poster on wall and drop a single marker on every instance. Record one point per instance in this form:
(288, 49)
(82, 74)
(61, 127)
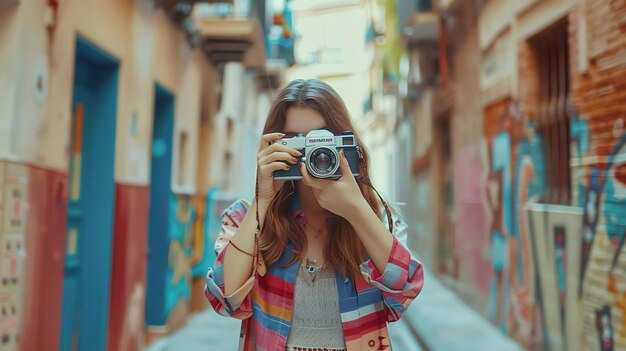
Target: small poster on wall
(13, 201)
(15, 207)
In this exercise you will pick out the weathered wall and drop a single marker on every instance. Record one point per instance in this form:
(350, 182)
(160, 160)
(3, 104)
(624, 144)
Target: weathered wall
(469, 159)
(126, 312)
(14, 183)
(500, 167)
(599, 152)
(150, 48)
(45, 248)
(9, 30)
(178, 278)
(36, 88)
(423, 208)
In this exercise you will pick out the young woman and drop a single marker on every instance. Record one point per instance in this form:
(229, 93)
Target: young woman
(310, 264)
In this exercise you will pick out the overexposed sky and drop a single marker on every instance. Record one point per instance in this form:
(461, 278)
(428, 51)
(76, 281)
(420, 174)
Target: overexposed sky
(330, 36)
(330, 44)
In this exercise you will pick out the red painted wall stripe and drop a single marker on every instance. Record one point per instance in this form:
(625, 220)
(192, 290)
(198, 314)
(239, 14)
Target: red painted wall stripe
(128, 273)
(45, 248)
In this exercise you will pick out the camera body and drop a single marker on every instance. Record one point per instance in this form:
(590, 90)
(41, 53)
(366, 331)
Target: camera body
(320, 153)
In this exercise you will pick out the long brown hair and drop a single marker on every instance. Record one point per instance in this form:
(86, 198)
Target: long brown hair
(344, 250)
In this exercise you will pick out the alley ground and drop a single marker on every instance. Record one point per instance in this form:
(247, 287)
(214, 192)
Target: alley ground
(438, 320)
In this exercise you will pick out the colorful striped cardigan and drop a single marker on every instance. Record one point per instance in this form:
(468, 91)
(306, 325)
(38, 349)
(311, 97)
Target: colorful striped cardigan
(366, 304)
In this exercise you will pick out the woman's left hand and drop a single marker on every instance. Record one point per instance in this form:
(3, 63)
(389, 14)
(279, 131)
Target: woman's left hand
(342, 197)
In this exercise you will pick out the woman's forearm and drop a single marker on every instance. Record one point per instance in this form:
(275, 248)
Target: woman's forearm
(373, 234)
(238, 265)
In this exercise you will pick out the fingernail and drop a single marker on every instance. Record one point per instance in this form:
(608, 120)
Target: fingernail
(342, 153)
(294, 161)
(298, 153)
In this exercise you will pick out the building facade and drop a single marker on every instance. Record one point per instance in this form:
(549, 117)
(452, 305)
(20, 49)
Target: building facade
(108, 122)
(517, 199)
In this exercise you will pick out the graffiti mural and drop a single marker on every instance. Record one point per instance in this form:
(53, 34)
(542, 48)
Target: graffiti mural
(206, 228)
(178, 277)
(602, 194)
(587, 193)
(516, 177)
(529, 184)
(499, 189)
(202, 253)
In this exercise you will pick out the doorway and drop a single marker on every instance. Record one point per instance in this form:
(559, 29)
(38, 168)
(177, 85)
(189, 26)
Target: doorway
(160, 185)
(89, 234)
(448, 261)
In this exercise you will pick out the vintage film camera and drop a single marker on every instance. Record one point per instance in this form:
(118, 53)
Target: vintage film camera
(320, 153)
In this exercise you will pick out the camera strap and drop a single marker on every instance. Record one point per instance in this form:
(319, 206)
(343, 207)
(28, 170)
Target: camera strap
(258, 263)
(364, 179)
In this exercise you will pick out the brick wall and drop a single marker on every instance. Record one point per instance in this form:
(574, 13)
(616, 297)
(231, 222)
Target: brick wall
(598, 172)
(528, 72)
(500, 167)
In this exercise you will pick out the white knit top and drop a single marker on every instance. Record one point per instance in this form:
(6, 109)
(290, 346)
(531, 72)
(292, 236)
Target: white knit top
(316, 322)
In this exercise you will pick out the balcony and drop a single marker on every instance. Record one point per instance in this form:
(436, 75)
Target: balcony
(422, 29)
(233, 39)
(225, 32)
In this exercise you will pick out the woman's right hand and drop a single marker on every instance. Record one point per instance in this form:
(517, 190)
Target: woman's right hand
(269, 159)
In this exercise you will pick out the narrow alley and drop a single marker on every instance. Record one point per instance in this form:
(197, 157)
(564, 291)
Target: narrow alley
(486, 136)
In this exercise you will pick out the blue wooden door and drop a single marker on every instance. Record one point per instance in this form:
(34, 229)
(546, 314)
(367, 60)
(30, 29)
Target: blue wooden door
(89, 234)
(70, 328)
(160, 185)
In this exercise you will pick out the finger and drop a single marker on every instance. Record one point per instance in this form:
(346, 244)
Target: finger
(277, 156)
(346, 172)
(268, 138)
(268, 170)
(307, 179)
(277, 147)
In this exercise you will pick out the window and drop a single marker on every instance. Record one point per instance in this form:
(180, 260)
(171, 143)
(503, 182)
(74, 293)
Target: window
(552, 54)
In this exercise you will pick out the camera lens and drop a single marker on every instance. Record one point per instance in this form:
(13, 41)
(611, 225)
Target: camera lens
(322, 161)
